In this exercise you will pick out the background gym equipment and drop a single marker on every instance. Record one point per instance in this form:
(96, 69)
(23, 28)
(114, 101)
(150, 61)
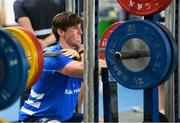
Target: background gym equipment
(110, 97)
(144, 7)
(105, 37)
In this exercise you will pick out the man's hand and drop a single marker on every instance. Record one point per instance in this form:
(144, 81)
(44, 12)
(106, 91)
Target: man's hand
(80, 49)
(71, 53)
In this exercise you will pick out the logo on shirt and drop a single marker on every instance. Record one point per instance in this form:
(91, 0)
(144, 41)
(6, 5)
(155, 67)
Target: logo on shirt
(69, 92)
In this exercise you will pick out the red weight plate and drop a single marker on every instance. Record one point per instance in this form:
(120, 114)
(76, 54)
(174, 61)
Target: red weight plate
(39, 54)
(105, 37)
(144, 7)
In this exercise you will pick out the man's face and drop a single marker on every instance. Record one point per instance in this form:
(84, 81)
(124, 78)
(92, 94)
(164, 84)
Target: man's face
(73, 35)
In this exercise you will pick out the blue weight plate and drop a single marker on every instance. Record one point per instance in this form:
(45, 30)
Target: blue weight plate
(14, 68)
(173, 45)
(160, 54)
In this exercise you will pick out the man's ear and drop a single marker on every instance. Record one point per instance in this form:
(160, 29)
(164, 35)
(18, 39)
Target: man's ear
(60, 32)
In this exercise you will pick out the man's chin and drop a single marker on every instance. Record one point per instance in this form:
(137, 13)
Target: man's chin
(79, 43)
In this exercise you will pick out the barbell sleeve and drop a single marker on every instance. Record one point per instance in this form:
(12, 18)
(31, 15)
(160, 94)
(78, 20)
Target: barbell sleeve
(132, 54)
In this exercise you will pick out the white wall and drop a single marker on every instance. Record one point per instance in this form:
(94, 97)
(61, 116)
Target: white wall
(7, 5)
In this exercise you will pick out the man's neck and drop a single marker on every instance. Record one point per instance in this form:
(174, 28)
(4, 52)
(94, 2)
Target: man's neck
(64, 45)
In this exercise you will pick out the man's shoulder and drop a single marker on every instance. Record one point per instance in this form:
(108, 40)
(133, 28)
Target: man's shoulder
(52, 48)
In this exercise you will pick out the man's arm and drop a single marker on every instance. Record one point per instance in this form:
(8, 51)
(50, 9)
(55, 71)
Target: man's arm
(73, 69)
(26, 23)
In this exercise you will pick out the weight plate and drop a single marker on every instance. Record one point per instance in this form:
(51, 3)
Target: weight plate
(173, 45)
(13, 69)
(30, 51)
(156, 67)
(105, 37)
(39, 52)
(3, 120)
(144, 7)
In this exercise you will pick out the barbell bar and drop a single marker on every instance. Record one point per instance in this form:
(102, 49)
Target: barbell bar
(132, 54)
